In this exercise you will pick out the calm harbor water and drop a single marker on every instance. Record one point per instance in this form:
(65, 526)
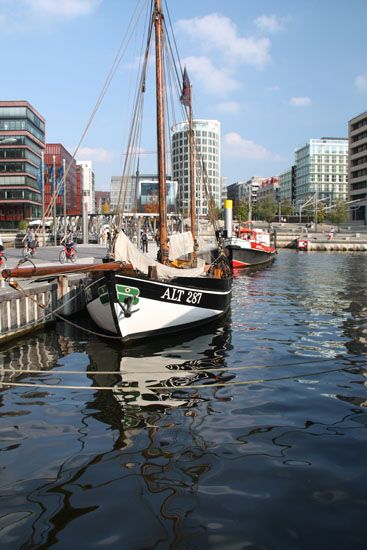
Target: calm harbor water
(248, 434)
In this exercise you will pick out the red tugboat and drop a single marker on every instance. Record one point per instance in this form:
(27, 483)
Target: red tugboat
(248, 246)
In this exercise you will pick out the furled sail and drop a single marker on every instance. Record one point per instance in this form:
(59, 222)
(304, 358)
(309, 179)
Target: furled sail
(126, 251)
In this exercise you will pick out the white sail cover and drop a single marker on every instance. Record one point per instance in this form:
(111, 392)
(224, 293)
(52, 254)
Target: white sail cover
(180, 244)
(126, 251)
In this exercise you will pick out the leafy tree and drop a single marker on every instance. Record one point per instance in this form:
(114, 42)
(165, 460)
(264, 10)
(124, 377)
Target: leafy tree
(286, 207)
(266, 209)
(339, 213)
(320, 213)
(240, 211)
(23, 224)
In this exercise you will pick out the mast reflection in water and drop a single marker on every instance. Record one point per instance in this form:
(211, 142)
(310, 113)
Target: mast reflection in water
(168, 458)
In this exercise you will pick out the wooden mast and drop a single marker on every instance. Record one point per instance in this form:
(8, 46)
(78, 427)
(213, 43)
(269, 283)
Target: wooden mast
(161, 144)
(192, 163)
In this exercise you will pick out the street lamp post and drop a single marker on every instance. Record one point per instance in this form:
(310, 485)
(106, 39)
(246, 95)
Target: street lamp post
(63, 172)
(54, 196)
(316, 202)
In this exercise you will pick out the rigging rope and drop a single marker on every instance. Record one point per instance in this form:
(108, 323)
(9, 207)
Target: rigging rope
(118, 389)
(180, 371)
(117, 60)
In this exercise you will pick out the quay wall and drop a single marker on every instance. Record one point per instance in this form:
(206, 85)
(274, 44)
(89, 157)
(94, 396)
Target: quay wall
(35, 304)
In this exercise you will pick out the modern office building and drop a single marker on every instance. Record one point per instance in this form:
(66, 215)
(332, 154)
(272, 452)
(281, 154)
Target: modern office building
(358, 167)
(58, 159)
(123, 193)
(140, 194)
(22, 140)
(322, 168)
(287, 185)
(89, 187)
(207, 147)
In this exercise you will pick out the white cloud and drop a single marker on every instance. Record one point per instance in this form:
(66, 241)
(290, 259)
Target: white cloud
(217, 33)
(213, 80)
(64, 8)
(235, 146)
(269, 23)
(302, 101)
(95, 154)
(361, 82)
(227, 107)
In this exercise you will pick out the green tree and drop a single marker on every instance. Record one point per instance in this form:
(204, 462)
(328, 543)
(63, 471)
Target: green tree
(321, 213)
(240, 211)
(286, 207)
(339, 213)
(23, 224)
(266, 209)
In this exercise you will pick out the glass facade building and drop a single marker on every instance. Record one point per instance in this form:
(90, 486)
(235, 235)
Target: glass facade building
(207, 145)
(358, 167)
(322, 167)
(22, 140)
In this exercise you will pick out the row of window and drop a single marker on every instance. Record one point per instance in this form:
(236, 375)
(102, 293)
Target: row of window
(360, 136)
(17, 180)
(19, 154)
(359, 185)
(20, 140)
(22, 125)
(359, 149)
(24, 167)
(361, 160)
(359, 173)
(19, 194)
(359, 124)
(327, 178)
(21, 112)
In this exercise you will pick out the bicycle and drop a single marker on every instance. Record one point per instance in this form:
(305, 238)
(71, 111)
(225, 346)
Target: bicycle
(68, 253)
(29, 251)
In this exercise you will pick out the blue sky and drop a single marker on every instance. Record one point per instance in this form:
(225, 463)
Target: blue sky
(274, 72)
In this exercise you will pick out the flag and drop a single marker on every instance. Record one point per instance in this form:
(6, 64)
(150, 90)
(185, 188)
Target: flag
(60, 173)
(39, 178)
(186, 90)
(51, 178)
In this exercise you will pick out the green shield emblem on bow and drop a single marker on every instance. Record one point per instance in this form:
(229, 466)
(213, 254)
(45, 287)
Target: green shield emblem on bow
(124, 292)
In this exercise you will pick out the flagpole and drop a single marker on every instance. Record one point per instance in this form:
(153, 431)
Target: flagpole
(43, 196)
(63, 173)
(54, 195)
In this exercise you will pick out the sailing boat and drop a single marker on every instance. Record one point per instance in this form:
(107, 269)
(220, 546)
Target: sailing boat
(148, 297)
(134, 296)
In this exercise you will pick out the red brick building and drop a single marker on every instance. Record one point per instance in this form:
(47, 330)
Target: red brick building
(56, 158)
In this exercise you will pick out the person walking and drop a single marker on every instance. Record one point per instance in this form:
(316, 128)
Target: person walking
(144, 241)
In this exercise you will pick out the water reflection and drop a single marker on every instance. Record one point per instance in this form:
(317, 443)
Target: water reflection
(149, 376)
(153, 464)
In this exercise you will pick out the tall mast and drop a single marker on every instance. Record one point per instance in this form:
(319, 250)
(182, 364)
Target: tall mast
(192, 163)
(161, 144)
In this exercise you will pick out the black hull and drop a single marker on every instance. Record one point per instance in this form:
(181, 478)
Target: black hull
(134, 306)
(247, 257)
